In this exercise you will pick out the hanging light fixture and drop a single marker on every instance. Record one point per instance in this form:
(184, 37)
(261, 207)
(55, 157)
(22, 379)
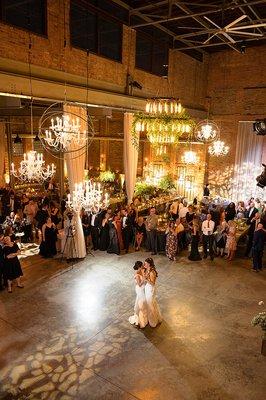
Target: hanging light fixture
(32, 168)
(17, 139)
(218, 149)
(164, 122)
(89, 196)
(190, 157)
(207, 131)
(160, 150)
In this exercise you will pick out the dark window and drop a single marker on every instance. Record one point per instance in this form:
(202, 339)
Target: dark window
(89, 30)
(151, 54)
(27, 14)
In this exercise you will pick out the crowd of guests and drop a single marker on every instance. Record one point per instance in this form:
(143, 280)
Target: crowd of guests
(40, 220)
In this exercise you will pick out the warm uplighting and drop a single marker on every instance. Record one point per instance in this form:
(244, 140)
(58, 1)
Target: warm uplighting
(190, 157)
(89, 196)
(218, 148)
(32, 168)
(207, 131)
(160, 150)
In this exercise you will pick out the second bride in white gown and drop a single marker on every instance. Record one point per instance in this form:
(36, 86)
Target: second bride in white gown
(153, 309)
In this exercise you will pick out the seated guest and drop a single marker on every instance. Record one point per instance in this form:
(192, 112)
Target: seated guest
(258, 247)
(12, 267)
(49, 238)
(171, 241)
(195, 234)
(231, 240)
(140, 233)
(230, 212)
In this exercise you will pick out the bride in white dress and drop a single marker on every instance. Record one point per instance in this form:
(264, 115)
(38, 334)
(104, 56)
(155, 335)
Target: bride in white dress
(154, 313)
(140, 317)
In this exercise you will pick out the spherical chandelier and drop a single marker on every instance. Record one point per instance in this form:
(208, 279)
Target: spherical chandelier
(190, 157)
(32, 168)
(218, 149)
(207, 131)
(89, 196)
(63, 130)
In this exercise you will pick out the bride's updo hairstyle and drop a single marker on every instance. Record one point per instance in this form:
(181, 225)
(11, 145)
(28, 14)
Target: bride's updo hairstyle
(150, 261)
(137, 265)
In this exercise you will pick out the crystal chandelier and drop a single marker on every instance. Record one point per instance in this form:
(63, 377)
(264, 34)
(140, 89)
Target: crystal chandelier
(160, 150)
(164, 122)
(32, 168)
(89, 196)
(207, 131)
(218, 148)
(190, 157)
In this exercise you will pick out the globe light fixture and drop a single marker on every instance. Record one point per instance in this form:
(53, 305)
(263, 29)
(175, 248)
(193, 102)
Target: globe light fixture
(207, 131)
(218, 149)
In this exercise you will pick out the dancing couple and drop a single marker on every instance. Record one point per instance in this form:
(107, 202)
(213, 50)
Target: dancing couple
(146, 310)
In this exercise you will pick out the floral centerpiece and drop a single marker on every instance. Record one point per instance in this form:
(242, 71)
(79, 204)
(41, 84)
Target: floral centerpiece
(107, 176)
(260, 320)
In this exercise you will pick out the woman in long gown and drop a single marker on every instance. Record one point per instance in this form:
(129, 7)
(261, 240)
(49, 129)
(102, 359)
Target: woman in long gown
(231, 243)
(194, 252)
(140, 317)
(114, 242)
(118, 221)
(12, 267)
(154, 313)
(171, 241)
(49, 238)
(104, 233)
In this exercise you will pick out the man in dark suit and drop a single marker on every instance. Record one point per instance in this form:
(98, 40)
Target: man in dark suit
(253, 223)
(95, 224)
(258, 247)
(251, 213)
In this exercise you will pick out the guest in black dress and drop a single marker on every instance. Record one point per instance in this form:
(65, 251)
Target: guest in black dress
(49, 238)
(85, 220)
(194, 253)
(230, 212)
(104, 233)
(12, 267)
(114, 242)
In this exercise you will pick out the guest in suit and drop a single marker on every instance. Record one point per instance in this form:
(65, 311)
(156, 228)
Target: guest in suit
(250, 214)
(95, 223)
(207, 236)
(258, 247)
(253, 224)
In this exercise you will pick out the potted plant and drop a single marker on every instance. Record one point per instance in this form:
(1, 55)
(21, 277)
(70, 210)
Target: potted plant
(260, 319)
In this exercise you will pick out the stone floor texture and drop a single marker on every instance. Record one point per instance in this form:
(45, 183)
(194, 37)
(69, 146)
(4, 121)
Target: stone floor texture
(66, 335)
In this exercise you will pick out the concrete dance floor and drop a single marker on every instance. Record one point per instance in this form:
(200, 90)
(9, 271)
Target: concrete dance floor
(66, 334)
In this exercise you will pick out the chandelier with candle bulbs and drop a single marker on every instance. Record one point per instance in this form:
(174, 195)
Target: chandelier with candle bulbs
(89, 196)
(62, 130)
(190, 157)
(218, 148)
(164, 122)
(32, 168)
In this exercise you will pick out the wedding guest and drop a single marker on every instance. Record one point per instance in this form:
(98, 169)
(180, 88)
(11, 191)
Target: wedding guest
(215, 213)
(12, 267)
(95, 223)
(253, 223)
(171, 241)
(258, 247)
(174, 209)
(104, 233)
(221, 237)
(49, 238)
(180, 231)
(186, 234)
(195, 235)
(118, 221)
(54, 212)
(114, 242)
(206, 191)
(230, 212)
(41, 216)
(85, 220)
(183, 210)
(140, 233)
(250, 213)
(2, 283)
(9, 232)
(240, 209)
(231, 243)
(207, 236)
(151, 229)
(190, 214)
(127, 228)
(30, 211)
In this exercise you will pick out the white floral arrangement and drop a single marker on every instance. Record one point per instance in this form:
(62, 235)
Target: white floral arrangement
(260, 319)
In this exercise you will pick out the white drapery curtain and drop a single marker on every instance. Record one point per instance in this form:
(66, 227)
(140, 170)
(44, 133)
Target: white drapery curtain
(249, 150)
(75, 163)
(2, 153)
(130, 158)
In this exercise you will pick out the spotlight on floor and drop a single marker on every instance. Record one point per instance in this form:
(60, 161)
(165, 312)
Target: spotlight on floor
(261, 179)
(259, 126)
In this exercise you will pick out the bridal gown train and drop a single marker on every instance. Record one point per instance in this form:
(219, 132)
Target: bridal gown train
(154, 313)
(140, 316)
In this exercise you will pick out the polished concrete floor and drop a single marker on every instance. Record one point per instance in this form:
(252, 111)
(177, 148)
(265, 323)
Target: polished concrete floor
(66, 334)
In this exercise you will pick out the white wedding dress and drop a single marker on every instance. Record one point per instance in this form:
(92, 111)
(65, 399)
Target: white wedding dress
(140, 316)
(154, 313)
